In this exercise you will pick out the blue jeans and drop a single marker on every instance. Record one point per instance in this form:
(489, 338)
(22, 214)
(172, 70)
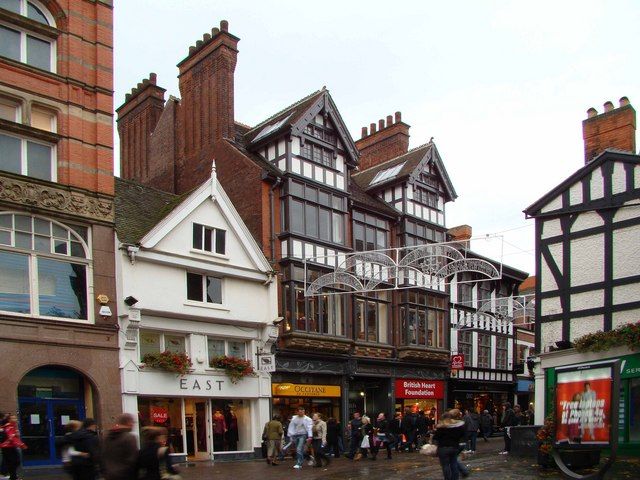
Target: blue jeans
(299, 441)
(472, 437)
(448, 457)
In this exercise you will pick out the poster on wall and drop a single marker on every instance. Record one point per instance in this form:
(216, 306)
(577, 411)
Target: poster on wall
(584, 400)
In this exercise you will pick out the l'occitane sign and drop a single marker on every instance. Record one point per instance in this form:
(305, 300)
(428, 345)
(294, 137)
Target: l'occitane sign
(301, 390)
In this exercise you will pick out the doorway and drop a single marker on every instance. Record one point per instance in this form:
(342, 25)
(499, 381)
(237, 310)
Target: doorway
(196, 428)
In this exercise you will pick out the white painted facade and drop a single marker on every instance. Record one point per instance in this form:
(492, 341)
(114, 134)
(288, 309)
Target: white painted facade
(156, 276)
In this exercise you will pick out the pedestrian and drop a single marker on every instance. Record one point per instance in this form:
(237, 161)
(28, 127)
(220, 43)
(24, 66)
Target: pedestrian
(319, 430)
(408, 425)
(449, 431)
(395, 428)
(520, 418)
(67, 451)
(486, 425)
(154, 462)
(120, 450)
(421, 429)
(508, 420)
(84, 464)
(366, 434)
(355, 437)
(272, 434)
(3, 437)
(472, 424)
(10, 446)
(384, 437)
(334, 431)
(300, 433)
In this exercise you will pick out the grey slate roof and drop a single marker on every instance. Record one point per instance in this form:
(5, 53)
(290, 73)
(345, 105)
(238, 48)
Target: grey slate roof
(370, 201)
(139, 208)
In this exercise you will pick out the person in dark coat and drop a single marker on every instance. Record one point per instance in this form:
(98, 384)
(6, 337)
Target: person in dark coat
(120, 450)
(154, 462)
(355, 427)
(85, 441)
(421, 429)
(333, 433)
(508, 420)
(408, 426)
(395, 428)
(472, 424)
(486, 425)
(384, 437)
(449, 432)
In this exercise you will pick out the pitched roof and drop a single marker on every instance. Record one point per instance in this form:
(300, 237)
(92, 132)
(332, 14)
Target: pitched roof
(256, 158)
(609, 154)
(409, 162)
(528, 284)
(288, 116)
(363, 199)
(139, 208)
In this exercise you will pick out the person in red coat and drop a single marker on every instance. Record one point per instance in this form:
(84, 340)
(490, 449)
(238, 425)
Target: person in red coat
(10, 446)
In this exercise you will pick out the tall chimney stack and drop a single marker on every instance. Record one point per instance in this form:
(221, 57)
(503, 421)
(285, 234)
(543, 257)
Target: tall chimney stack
(614, 128)
(389, 140)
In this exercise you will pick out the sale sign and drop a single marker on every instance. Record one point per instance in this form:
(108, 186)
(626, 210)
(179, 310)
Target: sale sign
(583, 406)
(159, 414)
(416, 388)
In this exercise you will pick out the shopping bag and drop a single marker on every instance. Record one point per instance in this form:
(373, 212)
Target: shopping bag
(429, 449)
(365, 442)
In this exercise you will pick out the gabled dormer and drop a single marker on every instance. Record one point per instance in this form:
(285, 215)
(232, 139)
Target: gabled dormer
(307, 139)
(416, 183)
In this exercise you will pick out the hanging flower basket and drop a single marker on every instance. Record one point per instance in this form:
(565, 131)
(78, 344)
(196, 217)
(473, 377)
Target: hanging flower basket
(235, 368)
(168, 361)
(624, 335)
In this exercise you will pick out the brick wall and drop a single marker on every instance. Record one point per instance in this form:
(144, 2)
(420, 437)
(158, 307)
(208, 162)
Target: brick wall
(384, 142)
(615, 128)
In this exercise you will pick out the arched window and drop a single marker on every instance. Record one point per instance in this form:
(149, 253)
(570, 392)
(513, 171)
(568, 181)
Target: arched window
(25, 43)
(43, 267)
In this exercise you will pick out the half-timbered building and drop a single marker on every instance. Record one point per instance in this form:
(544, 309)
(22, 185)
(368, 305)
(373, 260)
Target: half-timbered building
(587, 237)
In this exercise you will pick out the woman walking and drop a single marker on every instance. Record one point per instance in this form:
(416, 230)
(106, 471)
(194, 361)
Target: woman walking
(10, 446)
(319, 442)
(382, 437)
(449, 432)
(366, 443)
(154, 462)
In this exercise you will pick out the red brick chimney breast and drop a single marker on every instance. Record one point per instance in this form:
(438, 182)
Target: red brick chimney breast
(615, 128)
(388, 141)
(460, 233)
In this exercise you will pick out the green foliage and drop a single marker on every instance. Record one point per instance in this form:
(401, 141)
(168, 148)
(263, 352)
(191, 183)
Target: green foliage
(235, 368)
(168, 361)
(624, 335)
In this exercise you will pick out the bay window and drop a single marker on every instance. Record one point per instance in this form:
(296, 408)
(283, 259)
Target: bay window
(43, 267)
(423, 319)
(372, 317)
(369, 232)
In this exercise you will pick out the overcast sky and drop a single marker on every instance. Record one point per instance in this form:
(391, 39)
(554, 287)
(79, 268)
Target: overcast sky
(501, 86)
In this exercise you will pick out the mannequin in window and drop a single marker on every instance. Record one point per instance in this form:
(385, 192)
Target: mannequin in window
(232, 430)
(219, 429)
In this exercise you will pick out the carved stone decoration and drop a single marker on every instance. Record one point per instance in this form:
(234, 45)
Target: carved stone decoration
(308, 366)
(57, 198)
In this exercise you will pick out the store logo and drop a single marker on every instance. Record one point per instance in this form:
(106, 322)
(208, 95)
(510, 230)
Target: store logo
(457, 362)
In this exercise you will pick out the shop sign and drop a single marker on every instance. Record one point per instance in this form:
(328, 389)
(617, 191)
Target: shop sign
(303, 390)
(630, 366)
(457, 362)
(266, 362)
(159, 414)
(416, 388)
(584, 404)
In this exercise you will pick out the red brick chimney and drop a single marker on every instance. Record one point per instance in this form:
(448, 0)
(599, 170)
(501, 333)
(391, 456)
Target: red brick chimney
(137, 118)
(615, 128)
(390, 140)
(460, 233)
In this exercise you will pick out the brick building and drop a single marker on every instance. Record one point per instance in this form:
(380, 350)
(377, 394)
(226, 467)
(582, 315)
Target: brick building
(56, 218)
(307, 190)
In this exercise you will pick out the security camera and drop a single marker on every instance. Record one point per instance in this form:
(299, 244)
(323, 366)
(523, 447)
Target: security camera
(130, 301)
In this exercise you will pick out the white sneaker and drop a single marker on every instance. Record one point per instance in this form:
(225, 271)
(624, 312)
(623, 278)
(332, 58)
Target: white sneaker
(297, 466)
(503, 453)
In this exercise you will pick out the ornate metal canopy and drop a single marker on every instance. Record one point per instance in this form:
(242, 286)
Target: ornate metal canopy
(427, 266)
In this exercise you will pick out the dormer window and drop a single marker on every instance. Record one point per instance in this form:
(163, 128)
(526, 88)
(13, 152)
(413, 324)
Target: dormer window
(209, 239)
(23, 45)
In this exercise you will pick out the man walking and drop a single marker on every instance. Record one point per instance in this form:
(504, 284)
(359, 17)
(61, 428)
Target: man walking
(486, 425)
(300, 433)
(508, 420)
(120, 450)
(355, 428)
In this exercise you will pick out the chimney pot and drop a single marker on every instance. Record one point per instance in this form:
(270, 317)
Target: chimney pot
(608, 106)
(381, 124)
(153, 78)
(372, 128)
(364, 132)
(145, 81)
(139, 86)
(206, 37)
(624, 101)
(592, 112)
(127, 97)
(192, 49)
(389, 120)
(398, 117)
(215, 31)
(198, 43)
(224, 25)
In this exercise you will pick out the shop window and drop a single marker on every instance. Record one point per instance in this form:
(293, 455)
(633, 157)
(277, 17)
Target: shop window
(26, 46)
(484, 350)
(204, 288)
(501, 353)
(372, 318)
(163, 412)
(156, 342)
(218, 347)
(465, 346)
(43, 268)
(209, 239)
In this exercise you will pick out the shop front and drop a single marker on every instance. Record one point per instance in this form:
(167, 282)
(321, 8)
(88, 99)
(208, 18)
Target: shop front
(206, 415)
(481, 396)
(420, 395)
(314, 398)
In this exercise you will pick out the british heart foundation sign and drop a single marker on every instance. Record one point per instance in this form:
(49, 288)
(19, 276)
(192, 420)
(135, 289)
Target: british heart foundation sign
(457, 362)
(583, 405)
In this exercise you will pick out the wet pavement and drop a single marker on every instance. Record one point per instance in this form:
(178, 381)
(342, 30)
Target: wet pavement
(485, 464)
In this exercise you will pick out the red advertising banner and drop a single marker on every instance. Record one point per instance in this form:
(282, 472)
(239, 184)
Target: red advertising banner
(417, 388)
(159, 414)
(583, 406)
(457, 362)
